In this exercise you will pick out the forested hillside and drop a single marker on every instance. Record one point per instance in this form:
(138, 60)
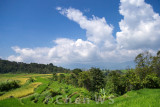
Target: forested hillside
(20, 67)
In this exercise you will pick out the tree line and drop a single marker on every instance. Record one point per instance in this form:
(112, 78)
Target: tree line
(145, 75)
(20, 67)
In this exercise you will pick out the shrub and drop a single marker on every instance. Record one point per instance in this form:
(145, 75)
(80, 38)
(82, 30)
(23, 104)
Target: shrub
(55, 77)
(54, 93)
(30, 80)
(8, 85)
(151, 81)
(133, 81)
(113, 83)
(61, 78)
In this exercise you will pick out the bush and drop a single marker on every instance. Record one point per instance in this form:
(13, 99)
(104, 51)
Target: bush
(61, 78)
(1, 93)
(113, 83)
(30, 80)
(54, 93)
(151, 81)
(55, 77)
(8, 85)
(133, 81)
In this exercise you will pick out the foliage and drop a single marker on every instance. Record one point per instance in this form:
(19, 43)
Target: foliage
(61, 78)
(97, 79)
(146, 75)
(144, 64)
(8, 85)
(156, 63)
(72, 79)
(80, 84)
(20, 67)
(113, 83)
(30, 80)
(55, 77)
(148, 69)
(84, 80)
(151, 81)
(54, 93)
(76, 71)
(22, 91)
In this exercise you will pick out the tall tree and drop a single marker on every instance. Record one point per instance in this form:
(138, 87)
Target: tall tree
(97, 79)
(76, 71)
(84, 80)
(156, 63)
(144, 64)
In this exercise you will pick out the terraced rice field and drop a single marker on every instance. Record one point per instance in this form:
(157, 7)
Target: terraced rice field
(43, 92)
(21, 92)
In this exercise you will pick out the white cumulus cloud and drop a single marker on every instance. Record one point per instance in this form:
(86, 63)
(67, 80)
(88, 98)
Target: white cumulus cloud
(140, 27)
(97, 29)
(139, 30)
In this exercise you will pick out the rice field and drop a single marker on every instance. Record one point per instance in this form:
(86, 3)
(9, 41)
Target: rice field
(21, 92)
(21, 80)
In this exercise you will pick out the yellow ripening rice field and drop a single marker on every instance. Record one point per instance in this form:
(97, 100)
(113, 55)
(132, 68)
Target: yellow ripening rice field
(21, 92)
(33, 75)
(22, 80)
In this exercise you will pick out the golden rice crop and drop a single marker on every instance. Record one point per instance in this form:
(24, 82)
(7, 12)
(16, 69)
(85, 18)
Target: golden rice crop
(22, 80)
(21, 92)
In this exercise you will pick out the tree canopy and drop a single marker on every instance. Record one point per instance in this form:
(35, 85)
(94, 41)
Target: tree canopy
(20, 67)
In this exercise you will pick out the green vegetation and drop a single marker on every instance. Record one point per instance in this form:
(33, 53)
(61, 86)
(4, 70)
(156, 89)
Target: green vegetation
(139, 98)
(21, 92)
(94, 87)
(20, 67)
(8, 85)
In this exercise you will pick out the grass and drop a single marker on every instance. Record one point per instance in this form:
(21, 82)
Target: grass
(12, 102)
(44, 86)
(124, 70)
(143, 97)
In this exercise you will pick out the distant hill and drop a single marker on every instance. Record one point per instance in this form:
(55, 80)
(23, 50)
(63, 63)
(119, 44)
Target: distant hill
(20, 67)
(103, 65)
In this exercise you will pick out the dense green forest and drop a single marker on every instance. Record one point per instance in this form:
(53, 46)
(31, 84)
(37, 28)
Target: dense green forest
(20, 67)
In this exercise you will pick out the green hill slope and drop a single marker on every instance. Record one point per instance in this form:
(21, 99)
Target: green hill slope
(140, 98)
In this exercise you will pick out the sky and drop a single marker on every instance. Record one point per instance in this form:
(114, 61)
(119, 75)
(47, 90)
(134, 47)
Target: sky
(79, 33)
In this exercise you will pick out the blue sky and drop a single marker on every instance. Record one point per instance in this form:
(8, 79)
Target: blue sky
(26, 25)
(29, 23)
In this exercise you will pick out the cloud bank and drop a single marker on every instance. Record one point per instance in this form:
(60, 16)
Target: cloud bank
(139, 30)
